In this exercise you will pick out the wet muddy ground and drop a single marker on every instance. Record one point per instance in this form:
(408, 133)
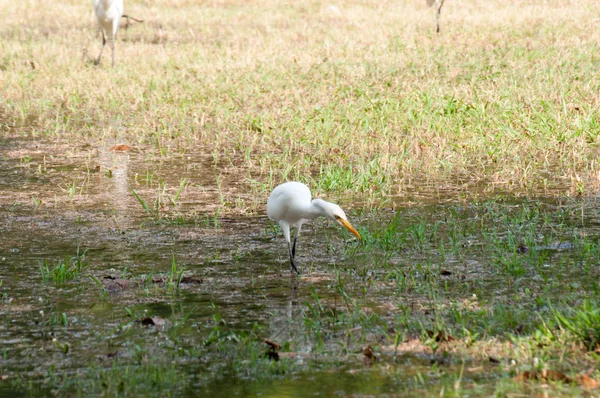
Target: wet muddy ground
(126, 274)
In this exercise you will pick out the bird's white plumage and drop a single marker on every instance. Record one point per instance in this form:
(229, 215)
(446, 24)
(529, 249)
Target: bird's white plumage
(108, 14)
(290, 206)
(289, 202)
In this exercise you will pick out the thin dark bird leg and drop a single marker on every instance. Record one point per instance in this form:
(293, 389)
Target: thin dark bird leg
(102, 48)
(298, 228)
(438, 13)
(292, 262)
(294, 245)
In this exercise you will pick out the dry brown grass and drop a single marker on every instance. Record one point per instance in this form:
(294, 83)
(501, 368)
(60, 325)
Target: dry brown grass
(350, 96)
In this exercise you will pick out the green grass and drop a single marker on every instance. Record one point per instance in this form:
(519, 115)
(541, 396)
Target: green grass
(496, 117)
(435, 293)
(175, 276)
(370, 102)
(63, 271)
(583, 323)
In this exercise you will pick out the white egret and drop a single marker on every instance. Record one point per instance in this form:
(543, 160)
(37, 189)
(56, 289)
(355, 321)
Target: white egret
(289, 205)
(108, 13)
(438, 11)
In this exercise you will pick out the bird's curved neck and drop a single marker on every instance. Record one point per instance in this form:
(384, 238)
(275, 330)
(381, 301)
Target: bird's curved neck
(316, 208)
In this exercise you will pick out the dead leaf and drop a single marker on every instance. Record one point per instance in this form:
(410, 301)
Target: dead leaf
(113, 284)
(108, 355)
(121, 148)
(191, 280)
(369, 355)
(273, 348)
(153, 321)
(526, 376)
(162, 279)
(552, 375)
(273, 345)
(440, 336)
(587, 382)
(407, 347)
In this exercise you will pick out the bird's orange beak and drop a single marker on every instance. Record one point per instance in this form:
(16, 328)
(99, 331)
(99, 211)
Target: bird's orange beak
(349, 227)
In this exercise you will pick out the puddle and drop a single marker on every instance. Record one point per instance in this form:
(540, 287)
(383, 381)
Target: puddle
(222, 281)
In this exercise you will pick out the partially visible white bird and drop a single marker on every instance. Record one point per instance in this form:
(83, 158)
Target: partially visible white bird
(438, 11)
(289, 205)
(108, 13)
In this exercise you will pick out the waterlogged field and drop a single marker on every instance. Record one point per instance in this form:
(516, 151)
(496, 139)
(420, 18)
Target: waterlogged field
(453, 298)
(467, 161)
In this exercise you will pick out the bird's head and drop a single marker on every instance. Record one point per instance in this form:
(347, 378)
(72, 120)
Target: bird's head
(335, 213)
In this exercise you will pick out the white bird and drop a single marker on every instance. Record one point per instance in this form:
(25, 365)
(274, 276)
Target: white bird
(289, 205)
(438, 11)
(108, 13)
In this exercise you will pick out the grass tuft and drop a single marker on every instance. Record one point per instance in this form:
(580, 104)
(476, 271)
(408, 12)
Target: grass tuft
(63, 271)
(583, 322)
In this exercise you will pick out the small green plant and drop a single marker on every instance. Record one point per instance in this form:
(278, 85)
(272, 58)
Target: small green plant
(152, 212)
(63, 271)
(175, 276)
(36, 202)
(219, 182)
(63, 347)
(584, 323)
(183, 183)
(71, 191)
(418, 234)
(212, 220)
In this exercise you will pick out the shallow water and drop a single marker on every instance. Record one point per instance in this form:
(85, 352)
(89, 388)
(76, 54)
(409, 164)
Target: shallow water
(59, 200)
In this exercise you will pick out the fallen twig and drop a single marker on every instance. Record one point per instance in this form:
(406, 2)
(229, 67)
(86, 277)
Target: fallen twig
(128, 18)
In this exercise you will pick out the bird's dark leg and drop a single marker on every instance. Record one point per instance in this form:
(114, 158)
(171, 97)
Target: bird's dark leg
(294, 245)
(102, 48)
(292, 262)
(298, 228)
(438, 13)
